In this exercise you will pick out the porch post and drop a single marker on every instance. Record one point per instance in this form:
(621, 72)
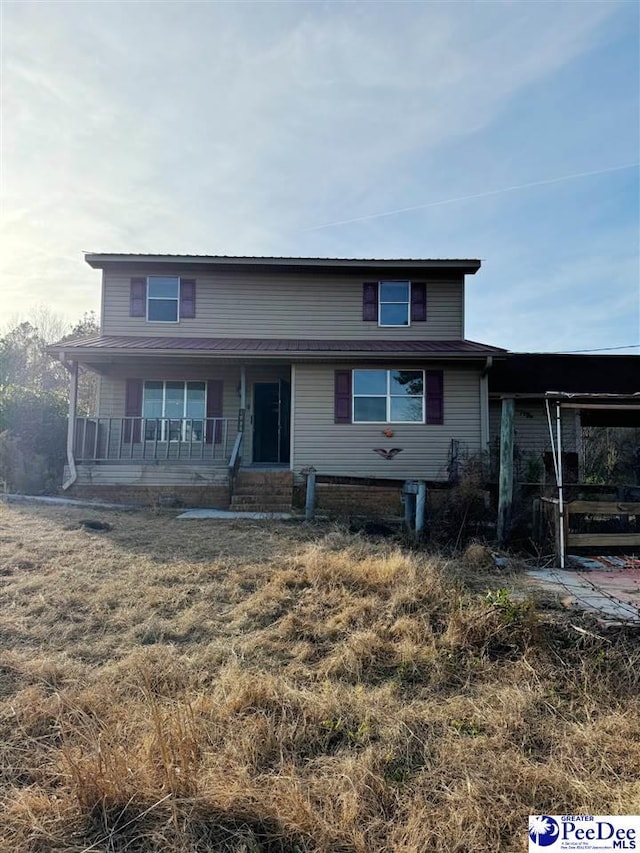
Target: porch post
(71, 424)
(505, 490)
(243, 387)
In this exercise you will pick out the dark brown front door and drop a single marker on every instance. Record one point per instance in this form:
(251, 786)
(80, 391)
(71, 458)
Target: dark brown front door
(271, 415)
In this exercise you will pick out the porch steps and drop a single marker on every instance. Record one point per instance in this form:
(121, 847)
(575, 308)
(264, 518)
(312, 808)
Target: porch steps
(262, 491)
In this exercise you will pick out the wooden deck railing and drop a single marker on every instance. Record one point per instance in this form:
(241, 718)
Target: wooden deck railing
(584, 522)
(154, 439)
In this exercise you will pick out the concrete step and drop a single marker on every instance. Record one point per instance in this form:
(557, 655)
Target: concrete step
(271, 492)
(284, 478)
(259, 506)
(251, 500)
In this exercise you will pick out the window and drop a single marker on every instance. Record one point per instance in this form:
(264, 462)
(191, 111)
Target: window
(394, 299)
(388, 396)
(163, 296)
(174, 411)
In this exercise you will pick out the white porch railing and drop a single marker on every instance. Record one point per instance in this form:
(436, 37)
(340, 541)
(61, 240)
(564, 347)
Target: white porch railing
(155, 439)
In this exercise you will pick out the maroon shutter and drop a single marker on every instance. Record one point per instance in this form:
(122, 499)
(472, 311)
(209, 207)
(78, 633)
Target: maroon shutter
(138, 297)
(418, 301)
(342, 397)
(187, 298)
(214, 409)
(370, 301)
(435, 396)
(133, 409)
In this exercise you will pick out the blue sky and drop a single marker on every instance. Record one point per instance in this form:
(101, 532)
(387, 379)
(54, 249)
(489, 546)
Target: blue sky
(298, 128)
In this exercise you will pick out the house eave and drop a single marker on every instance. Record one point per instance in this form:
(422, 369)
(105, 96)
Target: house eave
(462, 266)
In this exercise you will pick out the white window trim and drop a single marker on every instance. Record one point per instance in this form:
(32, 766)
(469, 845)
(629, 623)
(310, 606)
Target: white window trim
(388, 396)
(155, 298)
(407, 303)
(164, 419)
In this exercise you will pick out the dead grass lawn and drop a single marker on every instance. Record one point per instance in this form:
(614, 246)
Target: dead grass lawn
(206, 686)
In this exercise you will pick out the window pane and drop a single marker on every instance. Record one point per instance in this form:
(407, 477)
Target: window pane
(152, 400)
(369, 409)
(163, 309)
(408, 382)
(393, 315)
(394, 291)
(195, 399)
(163, 287)
(369, 381)
(406, 408)
(174, 400)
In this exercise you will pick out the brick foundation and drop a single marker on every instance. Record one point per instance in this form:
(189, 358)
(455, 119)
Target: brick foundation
(187, 496)
(349, 499)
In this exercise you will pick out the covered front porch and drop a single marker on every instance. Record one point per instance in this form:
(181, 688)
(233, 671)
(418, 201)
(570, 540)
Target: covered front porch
(178, 422)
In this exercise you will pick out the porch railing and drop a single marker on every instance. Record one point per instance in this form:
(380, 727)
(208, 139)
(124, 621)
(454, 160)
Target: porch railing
(176, 439)
(236, 454)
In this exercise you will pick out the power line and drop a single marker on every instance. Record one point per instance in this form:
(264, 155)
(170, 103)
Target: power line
(600, 349)
(470, 197)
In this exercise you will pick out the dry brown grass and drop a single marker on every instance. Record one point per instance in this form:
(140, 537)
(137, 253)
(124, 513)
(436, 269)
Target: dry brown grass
(207, 686)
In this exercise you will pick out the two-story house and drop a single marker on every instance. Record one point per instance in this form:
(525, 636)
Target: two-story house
(210, 366)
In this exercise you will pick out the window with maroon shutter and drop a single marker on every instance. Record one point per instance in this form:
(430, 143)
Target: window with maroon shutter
(133, 410)
(138, 297)
(342, 397)
(418, 301)
(435, 396)
(370, 301)
(187, 298)
(215, 388)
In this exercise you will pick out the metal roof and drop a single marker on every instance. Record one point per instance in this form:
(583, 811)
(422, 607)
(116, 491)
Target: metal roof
(537, 373)
(98, 260)
(126, 343)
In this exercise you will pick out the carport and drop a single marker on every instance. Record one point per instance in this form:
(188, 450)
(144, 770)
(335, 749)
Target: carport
(598, 410)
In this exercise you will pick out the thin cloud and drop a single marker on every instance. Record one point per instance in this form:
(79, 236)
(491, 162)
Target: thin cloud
(484, 194)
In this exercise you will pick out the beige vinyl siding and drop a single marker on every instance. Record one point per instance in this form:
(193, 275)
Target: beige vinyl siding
(531, 429)
(347, 449)
(248, 305)
(132, 474)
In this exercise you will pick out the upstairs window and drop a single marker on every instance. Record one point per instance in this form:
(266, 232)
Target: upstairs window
(394, 303)
(163, 298)
(388, 396)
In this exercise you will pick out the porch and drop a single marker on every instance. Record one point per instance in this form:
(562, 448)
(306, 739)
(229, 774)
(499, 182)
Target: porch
(191, 414)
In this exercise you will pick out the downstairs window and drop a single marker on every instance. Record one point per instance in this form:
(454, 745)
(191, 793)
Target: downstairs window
(388, 396)
(174, 410)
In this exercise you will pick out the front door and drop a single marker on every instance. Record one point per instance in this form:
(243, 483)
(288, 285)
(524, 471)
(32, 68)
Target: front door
(271, 414)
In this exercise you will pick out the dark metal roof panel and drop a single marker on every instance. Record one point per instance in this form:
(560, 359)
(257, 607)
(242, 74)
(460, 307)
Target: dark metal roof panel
(259, 345)
(98, 260)
(537, 373)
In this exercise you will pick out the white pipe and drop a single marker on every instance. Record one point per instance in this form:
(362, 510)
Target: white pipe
(71, 427)
(420, 507)
(553, 446)
(560, 487)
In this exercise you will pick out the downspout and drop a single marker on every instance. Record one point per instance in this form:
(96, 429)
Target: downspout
(71, 425)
